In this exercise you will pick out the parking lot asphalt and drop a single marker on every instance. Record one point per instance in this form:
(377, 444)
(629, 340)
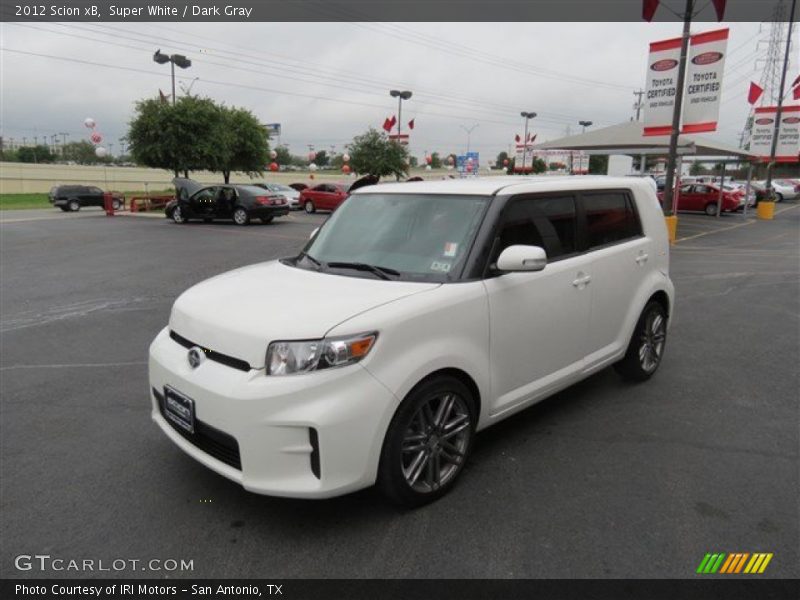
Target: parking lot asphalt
(605, 479)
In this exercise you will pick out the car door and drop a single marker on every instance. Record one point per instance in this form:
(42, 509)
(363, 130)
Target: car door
(324, 197)
(619, 254)
(226, 200)
(203, 204)
(685, 198)
(538, 320)
(93, 197)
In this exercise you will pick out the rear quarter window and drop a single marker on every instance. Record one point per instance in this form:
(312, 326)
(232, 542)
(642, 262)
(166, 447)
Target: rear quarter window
(610, 218)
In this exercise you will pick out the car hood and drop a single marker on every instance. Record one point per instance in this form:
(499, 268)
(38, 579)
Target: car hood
(240, 312)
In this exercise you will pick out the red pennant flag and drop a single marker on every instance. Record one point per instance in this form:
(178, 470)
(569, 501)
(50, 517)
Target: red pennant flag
(796, 93)
(411, 124)
(719, 7)
(392, 122)
(755, 93)
(387, 125)
(517, 138)
(796, 82)
(649, 9)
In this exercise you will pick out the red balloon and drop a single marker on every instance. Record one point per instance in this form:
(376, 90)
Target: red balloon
(429, 159)
(311, 176)
(505, 162)
(273, 166)
(346, 169)
(96, 138)
(312, 156)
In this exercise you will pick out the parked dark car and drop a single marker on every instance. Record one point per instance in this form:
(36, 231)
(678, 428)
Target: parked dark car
(74, 197)
(240, 203)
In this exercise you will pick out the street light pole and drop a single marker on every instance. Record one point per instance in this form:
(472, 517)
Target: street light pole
(527, 115)
(584, 124)
(174, 59)
(405, 95)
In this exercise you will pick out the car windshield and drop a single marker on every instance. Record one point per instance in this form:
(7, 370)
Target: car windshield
(412, 237)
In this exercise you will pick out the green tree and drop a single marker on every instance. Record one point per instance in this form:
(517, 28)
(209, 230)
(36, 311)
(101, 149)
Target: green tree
(284, 156)
(244, 144)
(322, 159)
(501, 158)
(538, 165)
(372, 153)
(35, 154)
(598, 164)
(436, 161)
(80, 152)
(695, 169)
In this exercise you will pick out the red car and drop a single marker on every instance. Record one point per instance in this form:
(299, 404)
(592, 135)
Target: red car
(704, 197)
(323, 196)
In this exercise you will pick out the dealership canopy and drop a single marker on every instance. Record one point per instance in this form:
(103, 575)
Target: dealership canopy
(627, 138)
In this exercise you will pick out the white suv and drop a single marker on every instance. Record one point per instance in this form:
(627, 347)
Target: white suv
(417, 315)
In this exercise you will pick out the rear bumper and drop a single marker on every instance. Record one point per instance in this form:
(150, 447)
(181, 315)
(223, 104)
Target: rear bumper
(280, 425)
(262, 212)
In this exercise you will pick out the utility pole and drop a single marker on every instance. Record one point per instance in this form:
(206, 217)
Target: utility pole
(469, 131)
(776, 130)
(676, 113)
(527, 115)
(638, 106)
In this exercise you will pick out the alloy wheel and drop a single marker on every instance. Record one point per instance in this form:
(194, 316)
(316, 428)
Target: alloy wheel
(435, 442)
(240, 216)
(652, 341)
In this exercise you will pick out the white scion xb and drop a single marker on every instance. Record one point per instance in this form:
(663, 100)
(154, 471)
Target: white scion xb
(418, 314)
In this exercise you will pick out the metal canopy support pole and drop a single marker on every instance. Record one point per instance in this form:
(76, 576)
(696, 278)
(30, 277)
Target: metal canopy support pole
(747, 188)
(721, 188)
(677, 194)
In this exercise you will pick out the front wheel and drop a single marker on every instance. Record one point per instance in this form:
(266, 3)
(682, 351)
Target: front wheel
(309, 206)
(74, 205)
(177, 216)
(117, 204)
(646, 348)
(240, 216)
(778, 197)
(428, 442)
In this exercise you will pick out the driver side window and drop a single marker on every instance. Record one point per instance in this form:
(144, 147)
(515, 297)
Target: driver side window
(205, 196)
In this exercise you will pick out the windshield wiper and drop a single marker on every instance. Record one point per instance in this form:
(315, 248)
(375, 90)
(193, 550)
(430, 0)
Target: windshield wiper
(382, 272)
(311, 259)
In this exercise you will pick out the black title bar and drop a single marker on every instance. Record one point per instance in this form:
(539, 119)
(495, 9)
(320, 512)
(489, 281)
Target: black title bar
(373, 10)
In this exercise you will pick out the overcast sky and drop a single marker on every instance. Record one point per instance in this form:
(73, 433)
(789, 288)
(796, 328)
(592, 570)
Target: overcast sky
(326, 82)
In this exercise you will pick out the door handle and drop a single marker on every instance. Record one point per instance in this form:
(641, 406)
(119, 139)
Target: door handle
(642, 258)
(582, 281)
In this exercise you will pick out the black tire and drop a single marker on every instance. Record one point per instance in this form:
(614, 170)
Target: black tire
(116, 203)
(208, 220)
(240, 216)
(177, 216)
(778, 197)
(64, 208)
(266, 220)
(646, 347)
(74, 205)
(711, 209)
(309, 207)
(449, 453)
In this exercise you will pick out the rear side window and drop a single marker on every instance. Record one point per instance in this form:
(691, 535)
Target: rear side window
(545, 222)
(610, 218)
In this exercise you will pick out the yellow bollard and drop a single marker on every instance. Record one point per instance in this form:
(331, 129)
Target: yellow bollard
(672, 227)
(765, 210)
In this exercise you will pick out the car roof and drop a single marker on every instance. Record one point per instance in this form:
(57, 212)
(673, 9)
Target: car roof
(488, 186)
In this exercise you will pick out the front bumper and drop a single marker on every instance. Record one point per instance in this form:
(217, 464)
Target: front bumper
(272, 419)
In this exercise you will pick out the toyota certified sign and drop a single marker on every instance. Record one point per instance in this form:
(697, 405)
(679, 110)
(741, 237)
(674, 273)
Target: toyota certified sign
(704, 81)
(662, 85)
(763, 131)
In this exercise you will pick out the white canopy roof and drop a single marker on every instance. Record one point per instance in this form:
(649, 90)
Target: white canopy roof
(627, 138)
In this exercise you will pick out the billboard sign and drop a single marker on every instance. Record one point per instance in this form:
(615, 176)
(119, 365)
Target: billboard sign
(788, 149)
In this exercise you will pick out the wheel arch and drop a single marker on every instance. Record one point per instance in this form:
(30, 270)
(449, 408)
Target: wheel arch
(461, 376)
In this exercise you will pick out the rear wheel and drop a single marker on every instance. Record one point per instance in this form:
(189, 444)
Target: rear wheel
(711, 209)
(240, 216)
(778, 197)
(428, 442)
(117, 204)
(74, 205)
(309, 206)
(646, 347)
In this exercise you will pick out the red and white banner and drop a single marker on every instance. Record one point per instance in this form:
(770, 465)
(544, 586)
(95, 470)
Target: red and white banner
(662, 85)
(788, 149)
(704, 81)
(399, 138)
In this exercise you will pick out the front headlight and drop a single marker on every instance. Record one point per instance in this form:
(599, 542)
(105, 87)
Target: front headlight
(286, 358)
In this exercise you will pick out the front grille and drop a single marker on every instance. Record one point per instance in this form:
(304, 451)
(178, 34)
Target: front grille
(210, 440)
(230, 361)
